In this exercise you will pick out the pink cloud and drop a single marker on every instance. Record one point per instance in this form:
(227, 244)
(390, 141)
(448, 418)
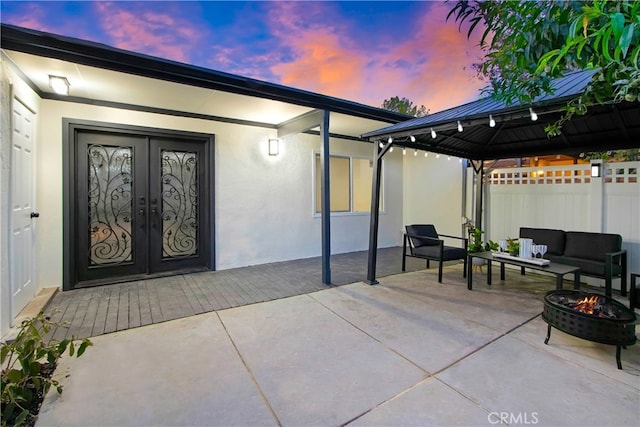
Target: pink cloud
(162, 34)
(430, 67)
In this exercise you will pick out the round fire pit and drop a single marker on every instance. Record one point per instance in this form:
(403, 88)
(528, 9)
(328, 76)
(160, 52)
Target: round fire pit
(590, 316)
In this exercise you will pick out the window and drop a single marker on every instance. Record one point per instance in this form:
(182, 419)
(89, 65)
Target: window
(350, 184)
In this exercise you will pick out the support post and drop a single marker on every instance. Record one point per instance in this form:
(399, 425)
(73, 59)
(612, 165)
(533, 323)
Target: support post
(479, 193)
(325, 200)
(375, 213)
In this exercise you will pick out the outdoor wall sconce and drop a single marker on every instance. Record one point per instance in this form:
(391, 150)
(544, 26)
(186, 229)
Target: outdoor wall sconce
(274, 147)
(60, 85)
(596, 170)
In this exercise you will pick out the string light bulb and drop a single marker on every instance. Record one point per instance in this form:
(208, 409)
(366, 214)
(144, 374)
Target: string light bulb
(459, 126)
(492, 123)
(433, 133)
(534, 116)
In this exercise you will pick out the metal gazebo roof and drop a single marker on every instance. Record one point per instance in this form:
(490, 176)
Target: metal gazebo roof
(515, 134)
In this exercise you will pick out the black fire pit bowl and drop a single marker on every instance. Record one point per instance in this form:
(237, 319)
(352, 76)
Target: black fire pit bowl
(616, 328)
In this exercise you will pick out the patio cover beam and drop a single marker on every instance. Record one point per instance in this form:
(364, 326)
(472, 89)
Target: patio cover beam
(301, 123)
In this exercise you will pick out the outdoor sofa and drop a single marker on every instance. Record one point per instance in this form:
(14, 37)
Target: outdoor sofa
(597, 254)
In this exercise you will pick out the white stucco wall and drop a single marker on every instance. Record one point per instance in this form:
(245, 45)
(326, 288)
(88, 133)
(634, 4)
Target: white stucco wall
(264, 205)
(10, 86)
(433, 192)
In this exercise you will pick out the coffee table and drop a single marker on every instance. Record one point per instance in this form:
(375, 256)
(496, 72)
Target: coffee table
(554, 268)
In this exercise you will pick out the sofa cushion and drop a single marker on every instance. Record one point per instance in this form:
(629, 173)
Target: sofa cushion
(554, 239)
(589, 267)
(591, 246)
(449, 253)
(426, 230)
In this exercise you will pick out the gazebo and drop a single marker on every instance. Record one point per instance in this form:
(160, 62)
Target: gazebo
(486, 129)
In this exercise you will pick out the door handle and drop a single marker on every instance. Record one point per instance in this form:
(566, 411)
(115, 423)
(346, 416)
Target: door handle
(35, 215)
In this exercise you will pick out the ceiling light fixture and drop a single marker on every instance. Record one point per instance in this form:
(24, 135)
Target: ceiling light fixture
(492, 123)
(412, 138)
(433, 133)
(60, 85)
(390, 140)
(459, 126)
(534, 116)
(380, 144)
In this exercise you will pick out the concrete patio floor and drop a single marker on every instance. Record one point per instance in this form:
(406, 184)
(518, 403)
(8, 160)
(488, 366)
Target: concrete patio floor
(407, 352)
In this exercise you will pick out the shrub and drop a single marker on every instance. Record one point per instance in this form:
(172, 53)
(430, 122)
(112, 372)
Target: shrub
(27, 365)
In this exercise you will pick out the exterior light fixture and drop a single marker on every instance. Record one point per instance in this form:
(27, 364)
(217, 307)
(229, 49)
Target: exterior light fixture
(459, 126)
(596, 170)
(391, 149)
(426, 154)
(274, 147)
(390, 140)
(60, 85)
(404, 151)
(438, 156)
(433, 133)
(534, 116)
(380, 144)
(415, 152)
(492, 123)
(448, 157)
(412, 138)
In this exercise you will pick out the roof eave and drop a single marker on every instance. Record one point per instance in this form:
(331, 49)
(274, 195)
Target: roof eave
(102, 56)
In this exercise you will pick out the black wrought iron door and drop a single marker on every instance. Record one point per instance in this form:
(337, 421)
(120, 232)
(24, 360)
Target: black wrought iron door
(142, 205)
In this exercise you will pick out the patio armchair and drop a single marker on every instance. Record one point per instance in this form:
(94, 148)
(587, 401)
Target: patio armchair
(423, 241)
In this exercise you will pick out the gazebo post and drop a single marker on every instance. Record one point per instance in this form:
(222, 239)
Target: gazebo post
(479, 174)
(378, 153)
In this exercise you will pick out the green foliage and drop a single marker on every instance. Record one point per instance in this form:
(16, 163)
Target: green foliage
(529, 43)
(631, 155)
(513, 246)
(404, 106)
(27, 362)
(477, 245)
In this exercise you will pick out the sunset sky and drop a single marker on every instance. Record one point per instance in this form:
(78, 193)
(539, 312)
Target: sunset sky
(364, 51)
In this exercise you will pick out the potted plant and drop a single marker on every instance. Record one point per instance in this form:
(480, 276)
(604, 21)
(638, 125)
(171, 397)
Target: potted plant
(513, 247)
(477, 245)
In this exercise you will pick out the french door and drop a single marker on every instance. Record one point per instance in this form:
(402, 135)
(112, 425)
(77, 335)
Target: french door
(142, 205)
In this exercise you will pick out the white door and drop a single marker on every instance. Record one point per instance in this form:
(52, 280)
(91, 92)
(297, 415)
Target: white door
(21, 196)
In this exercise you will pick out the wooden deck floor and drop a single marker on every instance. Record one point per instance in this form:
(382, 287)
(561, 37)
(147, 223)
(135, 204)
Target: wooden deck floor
(109, 308)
